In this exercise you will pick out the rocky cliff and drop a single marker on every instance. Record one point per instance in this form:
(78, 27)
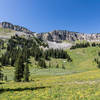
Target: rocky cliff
(15, 27)
(54, 36)
(61, 35)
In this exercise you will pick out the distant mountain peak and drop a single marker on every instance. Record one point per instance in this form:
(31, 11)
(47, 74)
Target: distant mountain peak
(55, 35)
(15, 27)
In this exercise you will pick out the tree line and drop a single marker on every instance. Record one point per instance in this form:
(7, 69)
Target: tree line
(19, 50)
(57, 53)
(85, 45)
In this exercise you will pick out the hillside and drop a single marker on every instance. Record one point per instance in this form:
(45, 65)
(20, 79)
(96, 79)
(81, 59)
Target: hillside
(6, 33)
(86, 63)
(8, 25)
(48, 66)
(78, 81)
(61, 39)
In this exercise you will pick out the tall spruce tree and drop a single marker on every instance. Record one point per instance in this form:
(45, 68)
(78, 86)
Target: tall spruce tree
(42, 63)
(63, 67)
(49, 65)
(1, 75)
(98, 65)
(19, 66)
(26, 73)
(57, 66)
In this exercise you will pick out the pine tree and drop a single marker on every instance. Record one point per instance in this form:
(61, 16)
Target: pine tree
(42, 63)
(49, 65)
(26, 73)
(5, 78)
(18, 70)
(57, 66)
(98, 65)
(1, 75)
(93, 44)
(63, 67)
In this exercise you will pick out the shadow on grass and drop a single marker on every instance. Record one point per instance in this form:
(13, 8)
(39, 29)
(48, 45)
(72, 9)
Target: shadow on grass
(22, 89)
(1, 83)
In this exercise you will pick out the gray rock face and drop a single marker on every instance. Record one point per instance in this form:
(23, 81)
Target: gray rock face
(61, 35)
(15, 27)
(54, 36)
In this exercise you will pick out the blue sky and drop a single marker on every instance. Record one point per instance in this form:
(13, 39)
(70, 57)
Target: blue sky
(48, 15)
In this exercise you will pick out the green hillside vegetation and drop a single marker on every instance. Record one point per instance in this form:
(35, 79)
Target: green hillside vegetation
(30, 73)
(86, 63)
(78, 81)
(6, 32)
(19, 51)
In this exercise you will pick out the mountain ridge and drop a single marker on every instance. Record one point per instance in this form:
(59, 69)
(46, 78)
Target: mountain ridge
(15, 27)
(56, 35)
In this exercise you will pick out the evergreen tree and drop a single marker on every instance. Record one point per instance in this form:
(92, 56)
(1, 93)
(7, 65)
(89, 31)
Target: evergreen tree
(1, 75)
(5, 78)
(98, 65)
(19, 66)
(57, 66)
(98, 53)
(26, 73)
(80, 45)
(42, 63)
(49, 65)
(93, 44)
(63, 67)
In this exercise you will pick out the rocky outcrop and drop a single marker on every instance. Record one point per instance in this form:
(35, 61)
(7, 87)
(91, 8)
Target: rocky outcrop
(61, 35)
(54, 36)
(15, 27)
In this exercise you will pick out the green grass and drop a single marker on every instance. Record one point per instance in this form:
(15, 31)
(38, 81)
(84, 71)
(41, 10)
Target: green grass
(67, 87)
(83, 61)
(3, 30)
(6, 32)
(79, 81)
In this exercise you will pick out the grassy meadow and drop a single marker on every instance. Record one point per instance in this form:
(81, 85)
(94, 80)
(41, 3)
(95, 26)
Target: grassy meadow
(80, 80)
(6, 33)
